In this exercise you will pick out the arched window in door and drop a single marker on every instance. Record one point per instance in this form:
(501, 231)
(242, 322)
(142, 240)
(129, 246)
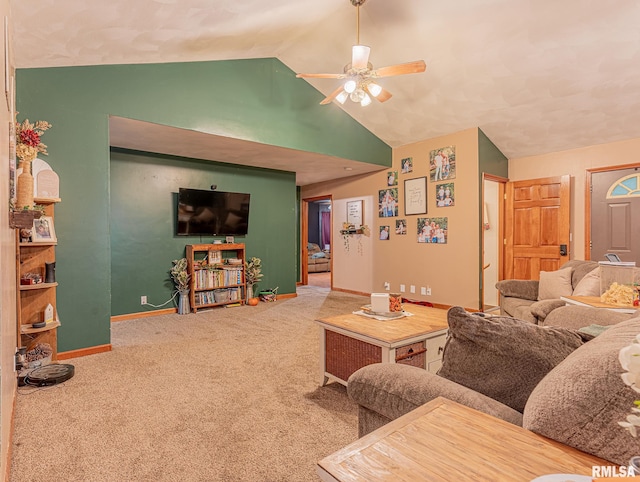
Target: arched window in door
(627, 186)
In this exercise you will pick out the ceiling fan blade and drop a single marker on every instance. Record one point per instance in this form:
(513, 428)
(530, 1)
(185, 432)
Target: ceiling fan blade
(321, 76)
(360, 56)
(328, 99)
(400, 69)
(383, 96)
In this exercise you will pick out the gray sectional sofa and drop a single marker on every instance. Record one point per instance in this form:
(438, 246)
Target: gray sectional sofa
(556, 381)
(521, 298)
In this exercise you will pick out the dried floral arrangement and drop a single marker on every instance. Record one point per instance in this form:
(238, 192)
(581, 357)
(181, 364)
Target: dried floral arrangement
(28, 139)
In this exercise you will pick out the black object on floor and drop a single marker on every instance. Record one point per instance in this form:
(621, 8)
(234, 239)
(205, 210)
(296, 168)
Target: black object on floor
(49, 375)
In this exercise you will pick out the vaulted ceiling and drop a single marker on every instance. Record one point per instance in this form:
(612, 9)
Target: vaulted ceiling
(536, 76)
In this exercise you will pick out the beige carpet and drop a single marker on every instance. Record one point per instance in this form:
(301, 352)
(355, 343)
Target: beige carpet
(230, 394)
(322, 280)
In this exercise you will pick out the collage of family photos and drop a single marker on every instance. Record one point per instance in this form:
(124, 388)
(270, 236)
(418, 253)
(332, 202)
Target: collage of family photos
(441, 169)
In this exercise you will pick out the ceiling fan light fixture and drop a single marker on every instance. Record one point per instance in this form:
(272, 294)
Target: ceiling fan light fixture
(374, 89)
(360, 56)
(359, 74)
(342, 96)
(350, 85)
(357, 95)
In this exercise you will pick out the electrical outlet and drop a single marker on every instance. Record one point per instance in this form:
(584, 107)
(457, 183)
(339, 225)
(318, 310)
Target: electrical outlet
(412, 288)
(402, 288)
(143, 300)
(428, 290)
(423, 290)
(387, 286)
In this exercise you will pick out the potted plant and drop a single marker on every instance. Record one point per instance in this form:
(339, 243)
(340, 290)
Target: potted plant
(181, 279)
(252, 274)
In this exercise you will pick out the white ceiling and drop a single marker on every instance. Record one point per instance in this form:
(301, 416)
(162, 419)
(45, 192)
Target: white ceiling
(536, 76)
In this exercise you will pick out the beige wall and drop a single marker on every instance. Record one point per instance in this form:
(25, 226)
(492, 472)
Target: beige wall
(7, 286)
(575, 162)
(451, 270)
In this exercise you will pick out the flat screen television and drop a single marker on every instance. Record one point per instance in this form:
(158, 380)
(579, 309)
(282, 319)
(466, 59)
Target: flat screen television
(212, 213)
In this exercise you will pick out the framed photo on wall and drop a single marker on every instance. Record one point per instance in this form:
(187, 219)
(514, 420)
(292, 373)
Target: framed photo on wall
(43, 230)
(388, 202)
(445, 195)
(442, 163)
(407, 165)
(415, 196)
(355, 212)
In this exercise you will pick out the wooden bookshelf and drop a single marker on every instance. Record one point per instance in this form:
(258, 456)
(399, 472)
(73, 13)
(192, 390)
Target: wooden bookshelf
(32, 299)
(217, 276)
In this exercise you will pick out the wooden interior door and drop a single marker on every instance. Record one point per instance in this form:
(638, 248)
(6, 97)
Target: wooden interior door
(537, 229)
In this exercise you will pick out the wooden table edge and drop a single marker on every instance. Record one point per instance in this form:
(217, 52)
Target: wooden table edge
(324, 466)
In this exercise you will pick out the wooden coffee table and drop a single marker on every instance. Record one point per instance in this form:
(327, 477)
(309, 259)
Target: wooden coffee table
(444, 441)
(349, 342)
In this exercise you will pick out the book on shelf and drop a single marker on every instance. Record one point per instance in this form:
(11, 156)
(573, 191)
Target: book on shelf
(215, 278)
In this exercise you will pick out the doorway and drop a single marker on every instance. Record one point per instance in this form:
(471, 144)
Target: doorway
(493, 188)
(317, 242)
(613, 199)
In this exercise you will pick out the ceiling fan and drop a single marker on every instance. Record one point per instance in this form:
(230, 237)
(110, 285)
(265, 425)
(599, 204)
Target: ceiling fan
(360, 85)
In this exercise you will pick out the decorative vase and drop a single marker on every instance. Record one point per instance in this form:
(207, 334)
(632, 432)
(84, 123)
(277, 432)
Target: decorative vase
(50, 272)
(249, 292)
(24, 193)
(183, 303)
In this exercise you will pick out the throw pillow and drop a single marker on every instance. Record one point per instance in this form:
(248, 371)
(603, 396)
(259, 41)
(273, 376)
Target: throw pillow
(502, 357)
(318, 255)
(589, 285)
(554, 284)
(580, 402)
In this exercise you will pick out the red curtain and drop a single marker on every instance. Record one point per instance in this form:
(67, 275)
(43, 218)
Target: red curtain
(325, 234)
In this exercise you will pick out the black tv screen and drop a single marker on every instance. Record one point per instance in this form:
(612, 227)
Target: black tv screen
(216, 213)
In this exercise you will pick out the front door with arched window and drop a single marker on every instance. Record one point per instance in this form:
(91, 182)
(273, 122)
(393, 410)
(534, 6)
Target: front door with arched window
(615, 214)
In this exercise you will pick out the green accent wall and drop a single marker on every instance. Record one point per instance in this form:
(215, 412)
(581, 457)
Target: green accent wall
(144, 189)
(258, 100)
(490, 159)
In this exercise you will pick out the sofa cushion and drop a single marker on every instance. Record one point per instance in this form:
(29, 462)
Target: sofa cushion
(554, 284)
(517, 308)
(580, 269)
(393, 389)
(589, 285)
(502, 357)
(581, 401)
(313, 248)
(575, 317)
